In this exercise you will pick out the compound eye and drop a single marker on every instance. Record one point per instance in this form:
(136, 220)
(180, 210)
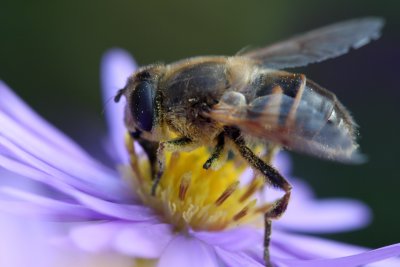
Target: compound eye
(142, 106)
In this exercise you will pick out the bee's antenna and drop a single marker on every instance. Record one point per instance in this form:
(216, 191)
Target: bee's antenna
(119, 94)
(116, 99)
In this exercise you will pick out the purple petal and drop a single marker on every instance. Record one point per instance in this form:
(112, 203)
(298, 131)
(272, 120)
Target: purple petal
(128, 212)
(29, 236)
(349, 261)
(237, 239)
(34, 211)
(15, 153)
(390, 262)
(325, 216)
(235, 259)
(34, 174)
(184, 251)
(143, 240)
(313, 251)
(19, 143)
(305, 213)
(117, 65)
(12, 106)
(307, 247)
(121, 211)
(39, 206)
(95, 237)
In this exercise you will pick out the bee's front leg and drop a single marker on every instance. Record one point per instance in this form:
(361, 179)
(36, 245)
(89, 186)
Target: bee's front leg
(171, 145)
(216, 154)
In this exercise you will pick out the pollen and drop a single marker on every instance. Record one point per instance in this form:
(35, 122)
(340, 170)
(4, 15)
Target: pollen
(189, 196)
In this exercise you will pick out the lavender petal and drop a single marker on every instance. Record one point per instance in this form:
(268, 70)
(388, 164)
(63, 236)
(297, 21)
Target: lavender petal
(95, 237)
(144, 240)
(235, 259)
(33, 211)
(24, 242)
(37, 175)
(117, 210)
(13, 107)
(18, 143)
(325, 216)
(237, 239)
(185, 251)
(305, 213)
(117, 65)
(44, 207)
(130, 212)
(349, 261)
(303, 247)
(306, 248)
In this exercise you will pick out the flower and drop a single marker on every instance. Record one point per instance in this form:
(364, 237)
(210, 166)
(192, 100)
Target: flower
(30, 238)
(114, 216)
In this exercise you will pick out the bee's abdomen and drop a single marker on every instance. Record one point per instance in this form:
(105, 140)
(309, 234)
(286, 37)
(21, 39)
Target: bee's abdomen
(266, 84)
(291, 108)
(294, 99)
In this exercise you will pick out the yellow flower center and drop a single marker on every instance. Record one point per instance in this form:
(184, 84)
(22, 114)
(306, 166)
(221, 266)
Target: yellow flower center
(189, 196)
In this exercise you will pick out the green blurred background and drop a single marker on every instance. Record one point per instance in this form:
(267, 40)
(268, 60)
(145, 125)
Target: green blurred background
(50, 53)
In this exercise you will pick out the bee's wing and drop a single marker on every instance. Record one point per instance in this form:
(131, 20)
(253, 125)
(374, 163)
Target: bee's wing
(318, 45)
(272, 118)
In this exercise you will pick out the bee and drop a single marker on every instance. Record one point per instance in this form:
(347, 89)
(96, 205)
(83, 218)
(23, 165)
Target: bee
(248, 98)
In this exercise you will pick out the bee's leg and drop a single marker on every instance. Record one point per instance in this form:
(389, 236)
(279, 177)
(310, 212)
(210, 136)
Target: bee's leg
(267, 239)
(149, 147)
(272, 177)
(133, 159)
(278, 208)
(217, 151)
(171, 145)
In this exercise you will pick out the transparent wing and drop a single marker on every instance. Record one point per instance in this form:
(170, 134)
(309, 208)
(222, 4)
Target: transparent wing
(307, 130)
(320, 44)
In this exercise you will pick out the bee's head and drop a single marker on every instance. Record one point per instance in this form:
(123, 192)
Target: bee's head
(140, 92)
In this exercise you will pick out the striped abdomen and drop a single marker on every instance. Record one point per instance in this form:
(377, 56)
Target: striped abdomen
(289, 110)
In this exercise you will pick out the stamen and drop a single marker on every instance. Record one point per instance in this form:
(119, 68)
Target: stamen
(241, 213)
(228, 191)
(246, 210)
(191, 197)
(184, 185)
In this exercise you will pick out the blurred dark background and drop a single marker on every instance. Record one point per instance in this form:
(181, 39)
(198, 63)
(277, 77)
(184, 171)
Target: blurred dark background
(50, 53)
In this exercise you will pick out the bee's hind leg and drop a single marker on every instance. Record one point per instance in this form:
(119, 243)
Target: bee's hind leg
(272, 177)
(171, 145)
